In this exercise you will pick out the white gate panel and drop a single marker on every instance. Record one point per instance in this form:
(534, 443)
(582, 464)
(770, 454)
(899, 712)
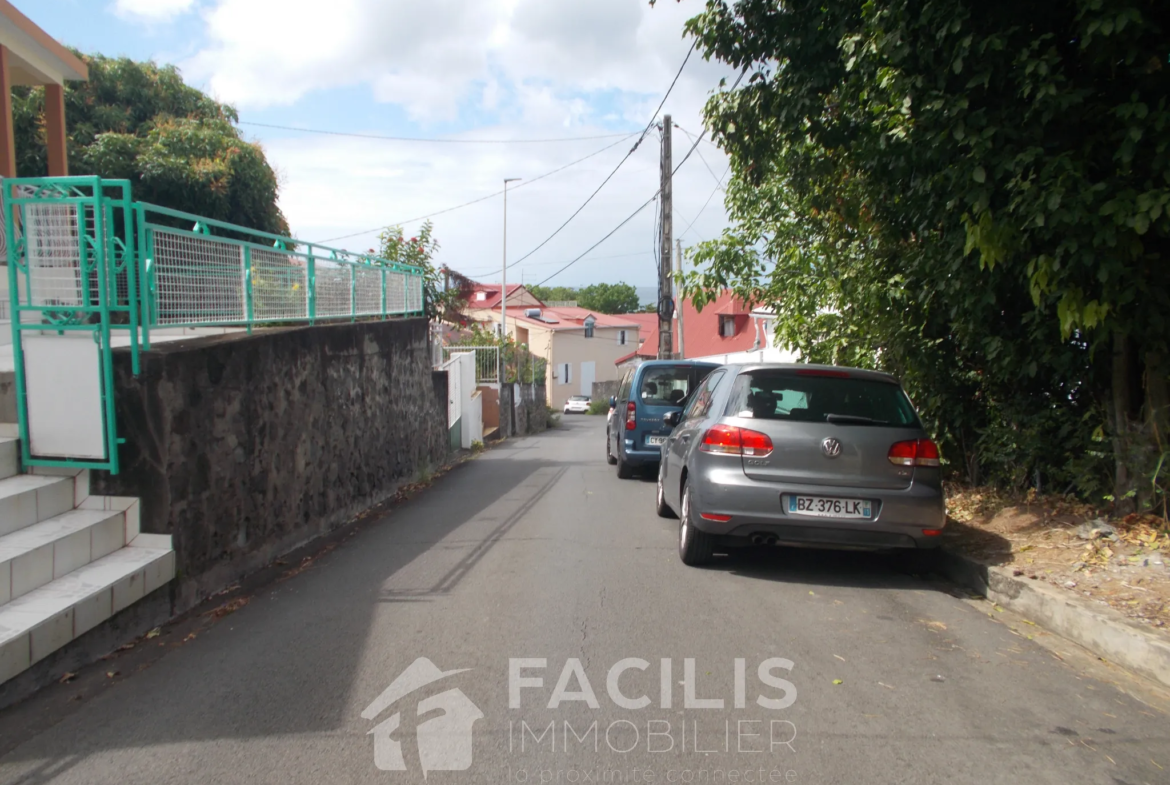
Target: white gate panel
(63, 391)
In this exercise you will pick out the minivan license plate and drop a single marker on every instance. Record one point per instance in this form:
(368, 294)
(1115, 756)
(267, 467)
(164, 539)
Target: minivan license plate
(655, 441)
(821, 507)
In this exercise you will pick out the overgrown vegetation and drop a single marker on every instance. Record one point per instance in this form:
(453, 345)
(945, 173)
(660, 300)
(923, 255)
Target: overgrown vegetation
(973, 196)
(178, 147)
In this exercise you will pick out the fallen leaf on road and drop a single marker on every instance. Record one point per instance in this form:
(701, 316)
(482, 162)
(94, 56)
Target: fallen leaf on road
(813, 593)
(67, 677)
(154, 633)
(230, 606)
(1025, 621)
(838, 681)
(125, 647)
(190, 637)
(1154, 762)
(111, 674)
(887, 686)
(838, 656)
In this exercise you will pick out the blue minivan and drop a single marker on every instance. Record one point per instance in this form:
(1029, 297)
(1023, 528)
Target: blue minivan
(636, 432)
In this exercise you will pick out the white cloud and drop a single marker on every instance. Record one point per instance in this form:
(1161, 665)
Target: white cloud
(152, 10)
(530, 68)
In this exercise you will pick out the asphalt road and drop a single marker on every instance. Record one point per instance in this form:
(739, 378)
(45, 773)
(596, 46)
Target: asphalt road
(537, 551)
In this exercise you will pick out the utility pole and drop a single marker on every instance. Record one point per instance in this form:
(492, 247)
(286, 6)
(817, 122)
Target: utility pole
(504, 289)
(665, 297)
(682, 352)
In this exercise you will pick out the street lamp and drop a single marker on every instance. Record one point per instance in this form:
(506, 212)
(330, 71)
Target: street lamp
(504, 285)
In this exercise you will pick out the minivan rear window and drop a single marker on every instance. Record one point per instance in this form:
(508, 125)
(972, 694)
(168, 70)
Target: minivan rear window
(666, 385)
(785, 395)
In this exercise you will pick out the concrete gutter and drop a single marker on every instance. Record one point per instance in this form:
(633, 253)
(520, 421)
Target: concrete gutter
(1100, 629)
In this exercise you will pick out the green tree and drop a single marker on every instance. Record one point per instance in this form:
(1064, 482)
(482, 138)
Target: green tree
(970, 194)
(178, 147)
(548, 294)
(608, 298)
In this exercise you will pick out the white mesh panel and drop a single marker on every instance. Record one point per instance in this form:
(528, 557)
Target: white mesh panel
(333, 289)
(395, 293)
(53, 249)
(369, 290)
(414, 293)
(198, 280)
(280, 288)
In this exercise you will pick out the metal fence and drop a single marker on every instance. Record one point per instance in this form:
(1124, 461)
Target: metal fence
(487, 361)
(83, 256)
(194, 278)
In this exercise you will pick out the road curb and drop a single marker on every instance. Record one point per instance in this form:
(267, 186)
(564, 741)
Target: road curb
(1101, 630)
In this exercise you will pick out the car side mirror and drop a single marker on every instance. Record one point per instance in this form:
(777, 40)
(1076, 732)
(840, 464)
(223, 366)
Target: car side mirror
(672, 418)
(613, 402)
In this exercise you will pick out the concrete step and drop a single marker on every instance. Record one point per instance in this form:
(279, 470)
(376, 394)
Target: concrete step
(9, 456)
(38, 554)
(42, 621)
(26, 499)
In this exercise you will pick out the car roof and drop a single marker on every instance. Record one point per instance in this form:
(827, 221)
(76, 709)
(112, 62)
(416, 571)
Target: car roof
(856, 373)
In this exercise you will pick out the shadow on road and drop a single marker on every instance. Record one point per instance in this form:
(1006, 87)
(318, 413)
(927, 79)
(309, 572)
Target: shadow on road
(816, 567)
(286, 663)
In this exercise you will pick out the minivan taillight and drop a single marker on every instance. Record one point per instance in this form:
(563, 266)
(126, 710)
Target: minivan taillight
(631, 416)
(920, 452)
(731, 440)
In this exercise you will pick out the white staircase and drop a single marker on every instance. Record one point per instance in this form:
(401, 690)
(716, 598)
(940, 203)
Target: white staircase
(68, 560)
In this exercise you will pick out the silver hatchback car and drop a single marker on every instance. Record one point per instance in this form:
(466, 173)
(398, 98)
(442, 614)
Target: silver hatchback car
(805, 455)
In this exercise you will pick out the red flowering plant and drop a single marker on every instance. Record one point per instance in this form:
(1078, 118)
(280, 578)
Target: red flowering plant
(419, 251)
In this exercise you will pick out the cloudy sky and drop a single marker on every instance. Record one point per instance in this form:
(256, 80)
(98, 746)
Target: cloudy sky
(449, 69)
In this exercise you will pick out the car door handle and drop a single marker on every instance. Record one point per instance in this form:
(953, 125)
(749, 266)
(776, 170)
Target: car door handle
(686, 437)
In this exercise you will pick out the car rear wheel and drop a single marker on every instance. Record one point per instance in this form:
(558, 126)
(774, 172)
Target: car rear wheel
(695, 547)
(609, 455)
(660, 505)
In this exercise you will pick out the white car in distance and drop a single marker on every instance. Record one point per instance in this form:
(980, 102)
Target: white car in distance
(577, 404)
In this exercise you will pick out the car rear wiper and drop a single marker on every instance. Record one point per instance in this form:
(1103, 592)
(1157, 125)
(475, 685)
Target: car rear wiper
(853, 419)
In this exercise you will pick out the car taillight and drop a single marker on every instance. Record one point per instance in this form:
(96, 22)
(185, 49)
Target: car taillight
(631, 416)
(731, 440)
(920, 452)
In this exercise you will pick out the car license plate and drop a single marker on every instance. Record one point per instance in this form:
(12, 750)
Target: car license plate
(822, 507)
(655, 441)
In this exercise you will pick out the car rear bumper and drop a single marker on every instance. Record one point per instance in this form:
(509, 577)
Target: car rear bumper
(755, 508)
(641, 457)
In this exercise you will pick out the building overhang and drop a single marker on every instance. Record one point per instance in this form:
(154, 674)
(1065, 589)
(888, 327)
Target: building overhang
(34, 58)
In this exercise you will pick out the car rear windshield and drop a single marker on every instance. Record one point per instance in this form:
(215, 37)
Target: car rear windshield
(788, 395)
(666, 385)
(579, 398)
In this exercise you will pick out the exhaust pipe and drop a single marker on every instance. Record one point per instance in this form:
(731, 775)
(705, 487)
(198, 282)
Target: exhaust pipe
(757, 539)
(770, 539)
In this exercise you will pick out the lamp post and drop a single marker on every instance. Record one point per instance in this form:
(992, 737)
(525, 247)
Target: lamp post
(504, 286)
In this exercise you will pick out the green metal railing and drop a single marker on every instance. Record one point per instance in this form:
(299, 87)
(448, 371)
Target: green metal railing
(84, 256)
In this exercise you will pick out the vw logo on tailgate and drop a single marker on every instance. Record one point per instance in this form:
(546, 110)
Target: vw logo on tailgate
(831, 447)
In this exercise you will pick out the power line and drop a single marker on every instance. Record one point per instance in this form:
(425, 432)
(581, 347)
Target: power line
(645, 131)
(480, 270)
(700, 154)
(433, 140)
(644, 205)
(482, 198)
(652, 198)
(718, 187)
